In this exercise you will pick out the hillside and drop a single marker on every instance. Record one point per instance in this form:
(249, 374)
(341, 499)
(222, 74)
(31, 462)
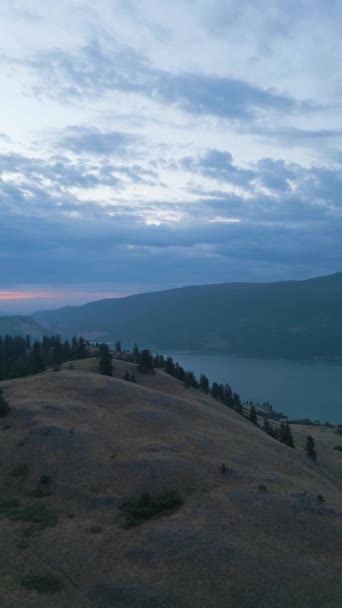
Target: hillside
(253, 535)
(294, 319)
(20, 326)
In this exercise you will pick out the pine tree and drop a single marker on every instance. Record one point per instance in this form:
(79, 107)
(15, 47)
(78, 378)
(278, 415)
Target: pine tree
(170, 367)
(118, 348)
(310, 449)
(237, 403)
(136, 354)
(37, 363)
(4, 407)
(146, 361)
(204, 383)
(106, 365)
(285, 435)
(253, 415)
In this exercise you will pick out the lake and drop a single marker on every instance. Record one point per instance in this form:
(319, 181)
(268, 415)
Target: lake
(300, 390)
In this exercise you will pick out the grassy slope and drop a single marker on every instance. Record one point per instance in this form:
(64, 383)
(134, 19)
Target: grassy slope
(231, 544)
(286, 319)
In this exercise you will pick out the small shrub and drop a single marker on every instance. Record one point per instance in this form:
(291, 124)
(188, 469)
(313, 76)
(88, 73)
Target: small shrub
(320, 499)
(57, 368)
(40, 493)
(21, 471)
(44, 480)
(338, 448)
(262, 487)
(95, 530)
(32, 513)
(42, 584)
(4, 406)
(223, 469)
(70, 366)
(146, 506)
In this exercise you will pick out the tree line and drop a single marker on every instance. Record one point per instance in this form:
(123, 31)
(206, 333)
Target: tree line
(20, 356)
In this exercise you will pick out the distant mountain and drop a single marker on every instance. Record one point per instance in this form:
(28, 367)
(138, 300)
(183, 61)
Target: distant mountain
(293, 319)
(20, 326)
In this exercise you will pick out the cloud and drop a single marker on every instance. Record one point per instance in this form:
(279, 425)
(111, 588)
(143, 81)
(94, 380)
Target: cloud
(282, 231)
(217, 164)
(102, 70)
(83, 140)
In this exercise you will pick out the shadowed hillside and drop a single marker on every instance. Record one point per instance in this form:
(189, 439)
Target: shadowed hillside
(20, 326)
(263, 530)
(288, 319)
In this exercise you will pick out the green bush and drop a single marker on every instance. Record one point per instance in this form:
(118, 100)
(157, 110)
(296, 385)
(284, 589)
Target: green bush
(33, 513)
(146, 506)
(44, 480)
(21, 470)
(42, 584)
(40, 493)
(4, 406)
(338, 448)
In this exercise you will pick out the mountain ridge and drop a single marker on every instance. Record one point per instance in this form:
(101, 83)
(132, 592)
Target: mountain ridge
(289, 319)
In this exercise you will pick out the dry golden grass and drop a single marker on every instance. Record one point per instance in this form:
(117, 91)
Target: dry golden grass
(253, 537)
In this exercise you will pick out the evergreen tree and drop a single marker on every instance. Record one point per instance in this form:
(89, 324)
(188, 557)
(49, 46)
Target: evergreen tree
(37, 363)
(215, 390)
(146, 361)
(4, 407)
(237, 403)
(106, 365)
(118, 348)
(204, 383)
(285, 434)
(228, 396)
(136, 354)
(310, 449)
(253, 415)
(170, 367)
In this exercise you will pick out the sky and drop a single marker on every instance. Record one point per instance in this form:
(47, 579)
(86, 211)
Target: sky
(146, 145)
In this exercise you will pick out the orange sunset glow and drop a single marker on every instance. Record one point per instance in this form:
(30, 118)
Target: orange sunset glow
(14, 295)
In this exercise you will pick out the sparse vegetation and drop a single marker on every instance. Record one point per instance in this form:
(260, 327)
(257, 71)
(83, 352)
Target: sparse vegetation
(4, 405)
(44, 480)
(262, 487)
(310, 448)
(95, 530)
(106, 364)
(42, 584)
(338, 448)
(40, 493)
(129, 376)
(20, 471)
(147, 506)
(320, 499)
(146, 361)
(33, 513)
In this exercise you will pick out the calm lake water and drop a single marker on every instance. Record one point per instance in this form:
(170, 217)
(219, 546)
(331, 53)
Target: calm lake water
(300, 390)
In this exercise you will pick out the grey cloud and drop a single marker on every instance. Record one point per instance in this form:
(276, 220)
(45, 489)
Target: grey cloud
(288, 233)
(96, 70)
(92, 141)
(218, 165)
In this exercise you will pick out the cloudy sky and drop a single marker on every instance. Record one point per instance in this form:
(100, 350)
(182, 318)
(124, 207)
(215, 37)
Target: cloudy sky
(147, 144)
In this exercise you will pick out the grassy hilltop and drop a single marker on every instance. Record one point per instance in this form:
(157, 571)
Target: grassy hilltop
(263, 530)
